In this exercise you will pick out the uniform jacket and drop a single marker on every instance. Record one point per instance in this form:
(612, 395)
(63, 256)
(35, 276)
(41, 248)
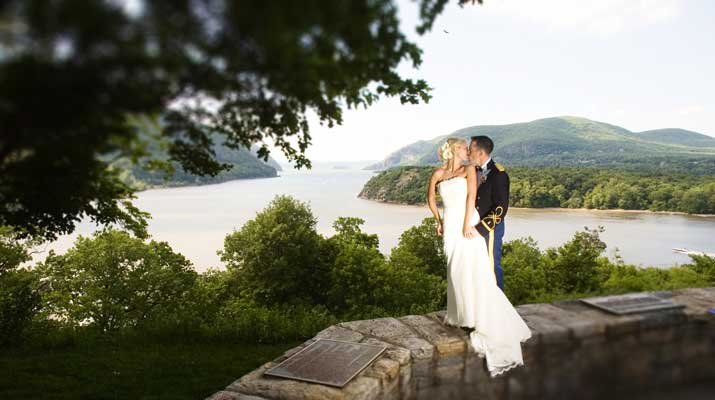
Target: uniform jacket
(492, 197)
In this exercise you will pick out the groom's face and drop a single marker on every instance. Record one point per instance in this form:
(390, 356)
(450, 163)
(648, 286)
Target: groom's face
(476, 155)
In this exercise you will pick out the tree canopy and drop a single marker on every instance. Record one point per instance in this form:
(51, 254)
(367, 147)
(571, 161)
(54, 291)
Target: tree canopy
(74, 74)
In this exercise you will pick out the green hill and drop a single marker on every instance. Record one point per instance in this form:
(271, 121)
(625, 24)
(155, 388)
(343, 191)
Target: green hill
(679, 137)
(245, 165)
(574, 141)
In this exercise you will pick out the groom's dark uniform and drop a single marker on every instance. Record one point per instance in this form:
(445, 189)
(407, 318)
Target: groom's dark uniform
(492, 204)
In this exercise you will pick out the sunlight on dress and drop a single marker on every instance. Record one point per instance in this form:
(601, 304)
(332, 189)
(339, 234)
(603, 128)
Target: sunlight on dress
(473, 297)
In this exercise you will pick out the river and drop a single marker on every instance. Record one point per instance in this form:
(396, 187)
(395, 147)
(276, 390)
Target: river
(195, 220)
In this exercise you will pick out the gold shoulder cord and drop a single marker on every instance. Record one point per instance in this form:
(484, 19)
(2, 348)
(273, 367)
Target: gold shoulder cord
(494, 217)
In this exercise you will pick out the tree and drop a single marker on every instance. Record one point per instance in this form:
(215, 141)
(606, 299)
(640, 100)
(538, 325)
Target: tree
(356, 275)
(114, 281)
(348, 230)
(364, 285)
(524, 276)
(278, 257)
(573, 267)
(19, 297)
(73, 73)
(422, 243)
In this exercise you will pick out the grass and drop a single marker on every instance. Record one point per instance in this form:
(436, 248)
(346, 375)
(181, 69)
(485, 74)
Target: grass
(129, 370)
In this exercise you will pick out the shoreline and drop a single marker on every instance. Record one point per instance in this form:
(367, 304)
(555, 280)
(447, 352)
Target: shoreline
(159, 187)
(607, 210)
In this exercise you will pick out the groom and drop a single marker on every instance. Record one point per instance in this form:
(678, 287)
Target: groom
(492, 199)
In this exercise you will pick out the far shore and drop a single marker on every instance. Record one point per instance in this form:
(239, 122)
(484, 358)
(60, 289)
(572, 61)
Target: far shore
(608, 210)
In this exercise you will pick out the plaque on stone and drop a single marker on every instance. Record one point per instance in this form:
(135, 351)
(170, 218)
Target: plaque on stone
(327, 361)
(631, 303)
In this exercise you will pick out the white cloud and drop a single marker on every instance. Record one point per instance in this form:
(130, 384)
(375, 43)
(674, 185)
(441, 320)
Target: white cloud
(601, 17)
(690, 109)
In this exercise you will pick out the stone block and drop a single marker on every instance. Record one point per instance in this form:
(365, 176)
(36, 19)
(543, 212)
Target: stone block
(399, 354)
(445, 340)
(419, 348)
(580, 325)
(615, 324)
(525, 382)
(422, 369)
(385, 370)
(705, 294)
(381, 328)
(696, 307)
(336, 332)
(449, 375)
(393, 331)
(475, 370)
(362, 388)
(256, 384)
(405, 381)
(549, 332)
(657, 336)
(227, 395)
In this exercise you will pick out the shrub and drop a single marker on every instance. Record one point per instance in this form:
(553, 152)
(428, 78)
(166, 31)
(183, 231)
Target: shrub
(19, 300)
(278, 257)
(422, 243)
(114, 281)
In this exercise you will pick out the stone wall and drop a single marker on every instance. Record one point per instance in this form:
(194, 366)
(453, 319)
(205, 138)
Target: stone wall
(575, 352)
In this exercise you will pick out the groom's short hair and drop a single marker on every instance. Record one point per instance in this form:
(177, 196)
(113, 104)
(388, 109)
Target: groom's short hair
(484, 143)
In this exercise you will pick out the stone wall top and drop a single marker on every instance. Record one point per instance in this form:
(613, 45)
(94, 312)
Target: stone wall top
(570, 342)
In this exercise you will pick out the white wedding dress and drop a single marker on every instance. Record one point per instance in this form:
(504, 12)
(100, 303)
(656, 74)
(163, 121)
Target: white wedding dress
(473, 297)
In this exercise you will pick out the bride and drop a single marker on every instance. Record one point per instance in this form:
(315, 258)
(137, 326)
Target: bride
(473, 298)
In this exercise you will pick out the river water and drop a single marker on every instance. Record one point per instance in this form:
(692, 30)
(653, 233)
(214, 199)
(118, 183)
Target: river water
(195, 220)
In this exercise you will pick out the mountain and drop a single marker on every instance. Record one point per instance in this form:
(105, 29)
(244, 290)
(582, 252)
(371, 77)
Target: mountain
(245, 165)
(575, 141)
(678, 137)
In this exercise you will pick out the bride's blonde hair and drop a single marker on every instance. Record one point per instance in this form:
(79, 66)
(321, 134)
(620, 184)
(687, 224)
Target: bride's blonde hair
(447, 150)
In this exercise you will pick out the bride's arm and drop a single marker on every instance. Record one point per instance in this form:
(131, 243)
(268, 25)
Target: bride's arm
(431, 200)
(472, 184)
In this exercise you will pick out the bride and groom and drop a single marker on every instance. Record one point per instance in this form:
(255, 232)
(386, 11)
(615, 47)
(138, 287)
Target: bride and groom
(475, 200)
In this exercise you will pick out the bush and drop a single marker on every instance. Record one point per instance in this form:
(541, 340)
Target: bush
(704, 266)
(248, 321)
(364, 285)
(356, 275)
(113, 281)
(19, 300)
(573, 267)
(524, 277)
(278, 257)
(423, 248)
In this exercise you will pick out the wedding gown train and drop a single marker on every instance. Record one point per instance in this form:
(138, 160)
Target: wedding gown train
(473, 297)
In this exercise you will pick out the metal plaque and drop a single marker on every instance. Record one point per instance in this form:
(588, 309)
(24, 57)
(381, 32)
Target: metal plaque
(631, 303)
(327, 361)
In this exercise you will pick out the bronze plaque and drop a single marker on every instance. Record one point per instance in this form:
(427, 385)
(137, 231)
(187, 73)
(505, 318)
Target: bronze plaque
(327, 361)
(631, 303)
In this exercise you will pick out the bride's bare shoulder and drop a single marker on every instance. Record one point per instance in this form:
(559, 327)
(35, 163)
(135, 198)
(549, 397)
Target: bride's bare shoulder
(438, 173)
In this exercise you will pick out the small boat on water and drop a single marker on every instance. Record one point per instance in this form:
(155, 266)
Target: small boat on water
(692, 253)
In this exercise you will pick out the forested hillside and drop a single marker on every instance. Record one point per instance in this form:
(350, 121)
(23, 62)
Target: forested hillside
(573, 141)
(244, 164)
(567, 187)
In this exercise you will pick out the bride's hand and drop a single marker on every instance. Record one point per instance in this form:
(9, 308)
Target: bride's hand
(468, 231)
(439, 228)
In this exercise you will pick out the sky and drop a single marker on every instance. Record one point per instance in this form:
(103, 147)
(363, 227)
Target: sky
(639, 64)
